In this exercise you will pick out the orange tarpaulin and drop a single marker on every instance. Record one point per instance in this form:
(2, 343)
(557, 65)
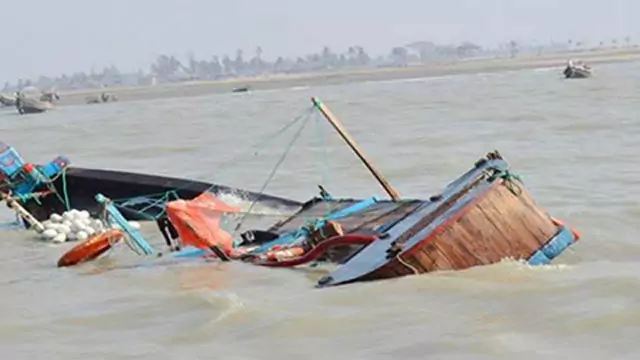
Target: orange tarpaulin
(197, 221)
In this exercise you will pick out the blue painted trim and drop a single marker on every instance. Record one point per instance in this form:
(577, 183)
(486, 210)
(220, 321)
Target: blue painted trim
(117, 217)
(350, 210)
(190, 253)
(553, 248)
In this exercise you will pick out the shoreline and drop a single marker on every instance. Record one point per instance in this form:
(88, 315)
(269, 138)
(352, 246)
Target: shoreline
(275, 81)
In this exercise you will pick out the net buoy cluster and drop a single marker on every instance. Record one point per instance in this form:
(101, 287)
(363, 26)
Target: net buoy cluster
(74, 225)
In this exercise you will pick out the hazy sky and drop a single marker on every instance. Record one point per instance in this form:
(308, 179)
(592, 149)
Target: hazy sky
(50, 37)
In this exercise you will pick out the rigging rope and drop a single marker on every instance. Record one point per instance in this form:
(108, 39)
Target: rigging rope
(65, 193)
(42, 179)
(254, 150)
(263, 143)
(324, 166)
(159, 199)
(510, 179)
(273, 172)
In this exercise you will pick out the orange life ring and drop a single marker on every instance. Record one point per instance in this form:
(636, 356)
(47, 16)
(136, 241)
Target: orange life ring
(91, 248)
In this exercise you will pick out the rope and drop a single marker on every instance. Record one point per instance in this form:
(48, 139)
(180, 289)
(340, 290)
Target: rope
(49, 183)
(324, 165)
(510, 179)
(262, 144)
(145, 197)
(407, 265)
(273, 172)
(166, 197)
(65, 192)
(255, 148)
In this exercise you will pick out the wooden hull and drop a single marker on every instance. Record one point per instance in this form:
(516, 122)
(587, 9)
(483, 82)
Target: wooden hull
(479, 220)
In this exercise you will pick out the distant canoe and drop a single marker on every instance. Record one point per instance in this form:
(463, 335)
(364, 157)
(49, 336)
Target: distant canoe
(241, 89)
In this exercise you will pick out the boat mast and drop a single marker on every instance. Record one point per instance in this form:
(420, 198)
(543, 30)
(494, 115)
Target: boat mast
(353, 145)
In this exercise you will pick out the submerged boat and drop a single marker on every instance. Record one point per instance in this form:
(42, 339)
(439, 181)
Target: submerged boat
(577, 70)
(56, 186)
(482, 217)
(103, 98)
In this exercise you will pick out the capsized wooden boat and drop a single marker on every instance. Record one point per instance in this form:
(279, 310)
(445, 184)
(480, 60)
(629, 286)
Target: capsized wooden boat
(56, 187)
(482, 217)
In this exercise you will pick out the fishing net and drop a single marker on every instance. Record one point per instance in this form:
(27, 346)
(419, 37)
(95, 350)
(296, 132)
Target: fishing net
(197, 221)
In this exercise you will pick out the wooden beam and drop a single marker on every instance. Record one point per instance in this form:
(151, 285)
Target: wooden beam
(337, 125)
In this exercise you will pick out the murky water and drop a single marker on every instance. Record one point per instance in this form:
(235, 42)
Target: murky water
(574, 142)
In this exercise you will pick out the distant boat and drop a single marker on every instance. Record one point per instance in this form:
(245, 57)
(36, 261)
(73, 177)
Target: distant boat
(32, 106)
(7, 100)
(28, 101)
(576, 70)
(49, 96)
(103, 98)
(241, 89)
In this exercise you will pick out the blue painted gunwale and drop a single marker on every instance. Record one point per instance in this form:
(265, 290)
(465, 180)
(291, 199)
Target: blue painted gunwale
(554, 247)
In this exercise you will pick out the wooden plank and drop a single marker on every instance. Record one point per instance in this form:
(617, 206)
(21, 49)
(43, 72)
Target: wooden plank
(464, 245)
(425, 261)
(449, 245)
(495, 240)
(481, 232)
(480, 249)
(524, 222)
(518, 242)
(372, 218)
(519, 218)
(533, 218)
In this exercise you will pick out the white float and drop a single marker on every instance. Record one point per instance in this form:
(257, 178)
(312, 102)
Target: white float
(74, 225)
